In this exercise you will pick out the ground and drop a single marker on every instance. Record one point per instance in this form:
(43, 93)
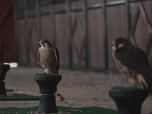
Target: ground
(79, 88)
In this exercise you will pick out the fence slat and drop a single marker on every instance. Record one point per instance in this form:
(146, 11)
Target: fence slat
(38, 20)
(105, 36)
(53, 32)
(16, 31)
(69, 32)
(27, 32)
(128, 19)
(151, 10)
(86, 36)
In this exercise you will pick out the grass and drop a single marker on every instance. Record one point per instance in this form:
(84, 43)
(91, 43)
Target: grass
(9, 90)
(125, 88)
(73, 110)
(18, 96)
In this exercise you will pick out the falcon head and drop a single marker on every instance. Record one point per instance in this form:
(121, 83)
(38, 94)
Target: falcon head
(45, 43)
(118, 43)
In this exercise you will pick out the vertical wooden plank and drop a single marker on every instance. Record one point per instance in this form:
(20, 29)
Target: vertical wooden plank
(53, 35)
(128, 19)
(150, 35)
(27, 32)
(38, 20)
(135, 20)
(69, 32)
(105, 35)
(16, 32)
(145, 16)
(85, 26)
(151, 14)
(149, 43)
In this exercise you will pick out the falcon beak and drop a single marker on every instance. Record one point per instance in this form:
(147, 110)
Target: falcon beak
(112, 44)
(41, 43)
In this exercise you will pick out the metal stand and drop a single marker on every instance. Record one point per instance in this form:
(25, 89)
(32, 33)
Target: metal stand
(48, 86)
(5, 68)
(128, 101)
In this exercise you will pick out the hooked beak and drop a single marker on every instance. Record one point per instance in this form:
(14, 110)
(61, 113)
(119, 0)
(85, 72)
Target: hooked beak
(41, 43)
(112, 44)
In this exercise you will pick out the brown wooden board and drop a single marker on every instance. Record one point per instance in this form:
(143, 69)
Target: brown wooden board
(7, 34)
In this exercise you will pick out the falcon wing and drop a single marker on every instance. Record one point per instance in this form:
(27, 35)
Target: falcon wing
(57, 58)
(133, 58)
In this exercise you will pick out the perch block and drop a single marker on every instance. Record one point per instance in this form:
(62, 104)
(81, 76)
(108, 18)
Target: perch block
(128, 99)
(5, 68)
(48, 86)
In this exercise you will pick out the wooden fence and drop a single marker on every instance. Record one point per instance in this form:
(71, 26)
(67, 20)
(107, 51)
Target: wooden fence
(82, 30)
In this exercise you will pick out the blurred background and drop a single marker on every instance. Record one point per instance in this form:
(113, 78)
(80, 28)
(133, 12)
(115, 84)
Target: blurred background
(82, 30)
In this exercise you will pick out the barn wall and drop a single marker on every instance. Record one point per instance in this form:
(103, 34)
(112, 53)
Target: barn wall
(116, 27)
(7, 34)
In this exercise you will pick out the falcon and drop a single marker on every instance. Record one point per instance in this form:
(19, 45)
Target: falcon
(132, 63)
(1, 57)
(48, 57)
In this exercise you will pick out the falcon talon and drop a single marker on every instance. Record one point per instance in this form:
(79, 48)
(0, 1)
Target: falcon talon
(140, 86)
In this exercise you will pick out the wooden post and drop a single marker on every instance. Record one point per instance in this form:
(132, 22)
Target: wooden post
(38, 20)
(105, 35)
(53, 24)
(69, 32)
(85, 26)
(27, 32)
(135, 20)
(16, 31)
(151, 9)
(128, 20)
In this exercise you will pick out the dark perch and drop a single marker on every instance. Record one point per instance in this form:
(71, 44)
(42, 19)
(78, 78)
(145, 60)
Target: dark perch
(128, 99)
(48, 86)
(5, 68)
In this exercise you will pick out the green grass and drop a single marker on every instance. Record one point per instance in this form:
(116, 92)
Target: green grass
(9, 90)
(125, 88)
(19, 96)
(87, 110)
(11, 110)
(73, 110)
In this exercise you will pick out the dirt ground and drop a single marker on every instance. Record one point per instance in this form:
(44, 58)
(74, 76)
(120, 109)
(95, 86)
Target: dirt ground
(79, 88)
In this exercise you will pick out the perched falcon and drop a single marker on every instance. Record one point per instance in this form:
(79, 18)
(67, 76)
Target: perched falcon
(1, 56)
(133, 63)
(48, 57)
